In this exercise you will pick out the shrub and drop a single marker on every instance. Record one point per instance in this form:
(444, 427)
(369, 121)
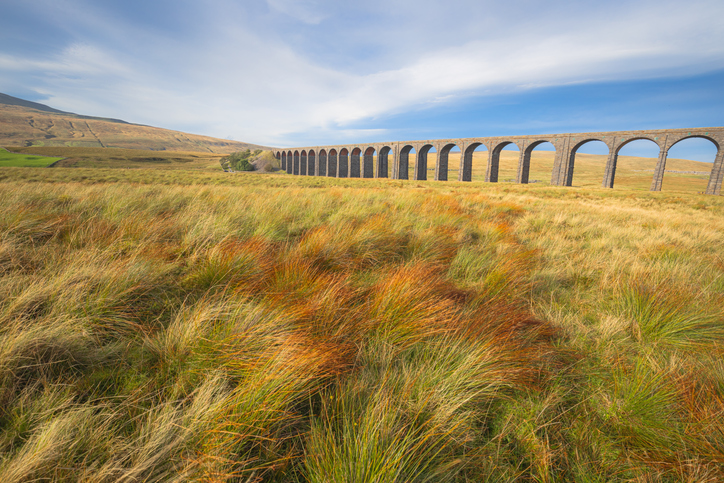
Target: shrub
(266, 162)
(239, 161)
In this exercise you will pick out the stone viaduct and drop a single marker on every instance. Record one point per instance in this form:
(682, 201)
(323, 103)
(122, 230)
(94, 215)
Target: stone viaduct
(357, 160)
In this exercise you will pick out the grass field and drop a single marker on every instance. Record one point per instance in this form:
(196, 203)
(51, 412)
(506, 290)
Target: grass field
(631, 172)
(114, 158)
(8, 159)
(169, 325)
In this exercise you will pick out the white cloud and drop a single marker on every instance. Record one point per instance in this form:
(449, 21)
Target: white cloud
(307, 11)
(258, 84)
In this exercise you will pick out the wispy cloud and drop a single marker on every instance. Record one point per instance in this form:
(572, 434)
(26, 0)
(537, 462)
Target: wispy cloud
(307, 11)
(255, 72)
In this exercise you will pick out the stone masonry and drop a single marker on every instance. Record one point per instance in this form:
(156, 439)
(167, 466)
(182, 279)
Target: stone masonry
(357, 160)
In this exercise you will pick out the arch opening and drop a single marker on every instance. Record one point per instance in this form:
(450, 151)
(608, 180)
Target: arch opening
(541, 155)
(421, 163)
(311, 163)
(383, 162)
(354, 163)
(368, 163)
(322, 163)
(404, 164)
(332, 163)
(503, 163)
(473, 162)
(442, 167)
(633, 164)
(303, 163)
(296, 162)
(692, 164)
(588, 160)
(343, 165)
(283, 160)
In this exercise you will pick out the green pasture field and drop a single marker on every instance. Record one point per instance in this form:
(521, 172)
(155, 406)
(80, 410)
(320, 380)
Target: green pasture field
(195, 325)
(8, 159)
(117, 158)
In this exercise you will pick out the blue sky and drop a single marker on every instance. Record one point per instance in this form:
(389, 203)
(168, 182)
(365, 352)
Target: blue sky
(283, 72)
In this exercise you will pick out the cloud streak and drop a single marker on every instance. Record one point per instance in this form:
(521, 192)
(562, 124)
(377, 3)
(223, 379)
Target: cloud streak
(252, 73)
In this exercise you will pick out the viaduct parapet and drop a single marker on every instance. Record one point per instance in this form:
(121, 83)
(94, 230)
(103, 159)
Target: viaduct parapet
(358, 160)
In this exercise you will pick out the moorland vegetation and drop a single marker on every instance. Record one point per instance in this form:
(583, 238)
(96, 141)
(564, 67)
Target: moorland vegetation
(29, 124)
(181, 326)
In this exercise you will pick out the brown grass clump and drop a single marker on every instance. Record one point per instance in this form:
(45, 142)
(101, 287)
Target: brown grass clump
(314, 330)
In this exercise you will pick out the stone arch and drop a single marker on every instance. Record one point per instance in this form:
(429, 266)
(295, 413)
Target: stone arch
(303, 163)
(572, 157)
(311, 163)
(322, 164)
(695, 136)
(343, 169)
(290, 163)
(421, 162)
(491, 175)
(383, 162)
(612, 163)
(442, 165)
(332, 163)
(524, 166)
(466, 162)
(368, 162)
(282, 160)
(354, 162)
(403, 168)
(618, 147)
(716, 174)
(296, 162)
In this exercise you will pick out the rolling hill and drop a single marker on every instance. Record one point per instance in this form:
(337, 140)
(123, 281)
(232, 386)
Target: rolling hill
(26, 123)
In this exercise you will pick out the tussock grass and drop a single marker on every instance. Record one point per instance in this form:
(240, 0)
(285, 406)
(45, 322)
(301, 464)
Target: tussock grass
(170, 327)
(661, 317)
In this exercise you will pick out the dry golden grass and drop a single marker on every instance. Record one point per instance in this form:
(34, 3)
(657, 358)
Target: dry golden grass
(631, 172)
(185, 326)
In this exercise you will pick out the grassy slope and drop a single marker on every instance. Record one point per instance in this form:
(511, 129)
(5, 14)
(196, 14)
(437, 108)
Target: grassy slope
(124, 158)
(280, 328)
(21, 126)
(8, 159)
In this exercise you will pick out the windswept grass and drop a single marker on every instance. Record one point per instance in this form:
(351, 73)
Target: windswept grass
(161, 327)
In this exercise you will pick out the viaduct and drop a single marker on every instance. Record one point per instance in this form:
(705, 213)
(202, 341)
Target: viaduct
(357, 160)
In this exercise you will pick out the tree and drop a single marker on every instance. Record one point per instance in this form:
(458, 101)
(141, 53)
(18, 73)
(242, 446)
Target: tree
(238, 161)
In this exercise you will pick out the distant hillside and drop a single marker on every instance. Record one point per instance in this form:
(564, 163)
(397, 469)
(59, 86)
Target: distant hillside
(26, 123)
(14, 101)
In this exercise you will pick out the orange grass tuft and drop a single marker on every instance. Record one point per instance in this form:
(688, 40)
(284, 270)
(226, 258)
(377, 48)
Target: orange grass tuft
(371, 331)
